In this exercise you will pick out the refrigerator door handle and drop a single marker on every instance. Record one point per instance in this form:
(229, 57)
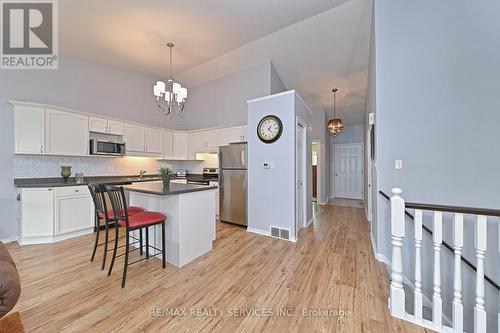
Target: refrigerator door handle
(221, 181)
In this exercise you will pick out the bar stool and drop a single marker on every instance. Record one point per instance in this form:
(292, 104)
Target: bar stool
(97, 192)
(138, 221)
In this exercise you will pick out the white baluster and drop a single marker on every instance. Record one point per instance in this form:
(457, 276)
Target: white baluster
(437, 239)
(458, 243)
(480, 245)
(418, 269)
(397, 298)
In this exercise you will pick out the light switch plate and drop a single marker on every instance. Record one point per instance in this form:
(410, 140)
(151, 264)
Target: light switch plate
(398, 164)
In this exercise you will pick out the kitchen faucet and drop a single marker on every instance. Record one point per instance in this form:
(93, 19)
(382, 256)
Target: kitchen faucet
(142, 173)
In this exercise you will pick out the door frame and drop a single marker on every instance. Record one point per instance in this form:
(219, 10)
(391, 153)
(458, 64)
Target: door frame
(335, 148)
(303, 124)
(320, 197)
(368, 184)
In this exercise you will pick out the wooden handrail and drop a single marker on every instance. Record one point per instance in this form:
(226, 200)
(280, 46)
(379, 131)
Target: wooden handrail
(454, 209)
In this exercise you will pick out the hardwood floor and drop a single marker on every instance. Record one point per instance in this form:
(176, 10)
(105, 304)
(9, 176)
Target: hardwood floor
(331, 267)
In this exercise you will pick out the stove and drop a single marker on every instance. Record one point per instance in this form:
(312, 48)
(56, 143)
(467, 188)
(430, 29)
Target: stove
(209, 174)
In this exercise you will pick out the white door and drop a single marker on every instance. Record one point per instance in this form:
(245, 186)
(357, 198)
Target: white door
(234, 134)
(115, 127)
(299, 167)
(181, 145)
(369, 177)
(349, 171)
(168, 152)
(73, 213)
(212, 139)
(98, 125)
(66, 133)
(244, 133)
(153, 140)
(37, 212)
(29, 130)
(134, 138)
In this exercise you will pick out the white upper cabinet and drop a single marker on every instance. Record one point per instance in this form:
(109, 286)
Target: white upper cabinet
(244, 133)
(115, 127)
(134, 138)
(181, 145)
(168, 145)
(98, 125)
(106, 126)
(229, 135)
(29, 129)
(153, 141)
(66, 133)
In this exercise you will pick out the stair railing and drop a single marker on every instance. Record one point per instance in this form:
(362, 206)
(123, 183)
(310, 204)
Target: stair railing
(397, 293)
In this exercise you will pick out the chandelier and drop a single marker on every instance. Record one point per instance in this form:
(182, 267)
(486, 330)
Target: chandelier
(170, 94)
(335, 125)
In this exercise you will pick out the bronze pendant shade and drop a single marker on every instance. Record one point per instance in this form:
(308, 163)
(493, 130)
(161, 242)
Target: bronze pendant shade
(335, 125)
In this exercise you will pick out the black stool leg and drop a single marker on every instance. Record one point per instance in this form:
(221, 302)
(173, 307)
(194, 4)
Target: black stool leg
(163, 252)
(106, 234)
(116, 247)
(147, 242)
(125, 264)
(96, 236)
(140, 242)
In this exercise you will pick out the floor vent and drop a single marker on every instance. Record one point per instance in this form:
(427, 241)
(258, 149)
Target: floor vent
(280, 233)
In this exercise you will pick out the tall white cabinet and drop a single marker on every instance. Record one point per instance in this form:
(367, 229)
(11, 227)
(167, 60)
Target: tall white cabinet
(66, 133)
(29, 129)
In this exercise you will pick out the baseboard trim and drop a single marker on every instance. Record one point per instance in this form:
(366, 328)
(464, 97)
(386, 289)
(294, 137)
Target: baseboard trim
(54, 239)
(258, 231)
(9, 240)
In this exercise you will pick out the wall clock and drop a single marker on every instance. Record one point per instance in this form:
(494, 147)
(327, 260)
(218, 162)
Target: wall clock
(269, 129)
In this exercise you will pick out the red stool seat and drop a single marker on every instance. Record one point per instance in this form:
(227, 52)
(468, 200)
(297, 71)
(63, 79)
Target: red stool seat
(143, 219)
(131, 211)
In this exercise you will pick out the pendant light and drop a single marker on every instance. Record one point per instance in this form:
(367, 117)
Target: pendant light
(170, 95)
(335, 125)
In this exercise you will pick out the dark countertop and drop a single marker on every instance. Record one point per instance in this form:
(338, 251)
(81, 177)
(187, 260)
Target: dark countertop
(174, 189)
(59, 181)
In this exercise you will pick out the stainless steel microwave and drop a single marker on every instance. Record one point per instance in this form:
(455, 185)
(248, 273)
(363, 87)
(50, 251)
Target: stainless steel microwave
(98, 147)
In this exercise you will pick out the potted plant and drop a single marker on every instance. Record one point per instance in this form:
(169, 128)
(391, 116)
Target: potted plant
(165, 174)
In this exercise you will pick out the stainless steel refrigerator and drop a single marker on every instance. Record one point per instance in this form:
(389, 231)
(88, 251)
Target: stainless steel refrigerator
(233, 183)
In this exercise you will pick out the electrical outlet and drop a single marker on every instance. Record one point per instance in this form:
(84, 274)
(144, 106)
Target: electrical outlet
(398, 164)
(110, 169)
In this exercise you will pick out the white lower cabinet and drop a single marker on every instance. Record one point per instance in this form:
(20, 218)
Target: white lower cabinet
(214, 183)
(52, 214)
(74, 209)
(37, 212)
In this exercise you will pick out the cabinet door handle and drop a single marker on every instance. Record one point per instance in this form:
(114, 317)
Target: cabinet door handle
(76, 191)
(50, 189)
(41, 149)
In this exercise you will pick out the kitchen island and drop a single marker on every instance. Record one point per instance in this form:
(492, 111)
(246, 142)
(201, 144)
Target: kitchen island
(190, 211)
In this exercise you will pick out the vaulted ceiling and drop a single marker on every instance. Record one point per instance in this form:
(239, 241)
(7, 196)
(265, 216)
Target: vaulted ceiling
(313, 44)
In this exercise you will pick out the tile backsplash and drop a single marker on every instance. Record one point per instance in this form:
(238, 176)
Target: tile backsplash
(33, 166)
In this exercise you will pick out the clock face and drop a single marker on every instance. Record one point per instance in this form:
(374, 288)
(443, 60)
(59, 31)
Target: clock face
(269, 129)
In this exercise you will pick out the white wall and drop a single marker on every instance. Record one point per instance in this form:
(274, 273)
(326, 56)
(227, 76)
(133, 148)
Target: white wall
(223, 101)
(437, 109)
(271, 192)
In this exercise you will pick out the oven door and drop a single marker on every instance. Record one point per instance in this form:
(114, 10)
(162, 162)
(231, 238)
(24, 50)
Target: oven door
(198, 182)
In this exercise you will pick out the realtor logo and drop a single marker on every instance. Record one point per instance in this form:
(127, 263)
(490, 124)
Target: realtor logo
(29, 34)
